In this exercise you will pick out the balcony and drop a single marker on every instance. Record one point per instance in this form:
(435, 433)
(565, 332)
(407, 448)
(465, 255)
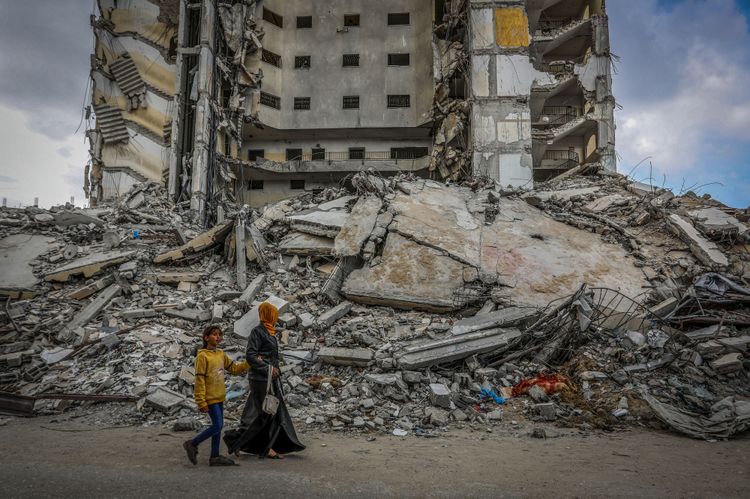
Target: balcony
(565, 39)
(356, 159)
(557, 116)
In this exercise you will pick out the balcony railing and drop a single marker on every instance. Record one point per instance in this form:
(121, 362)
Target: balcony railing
(549, 25)
(559, 115)
(560, 154)
(359, 155)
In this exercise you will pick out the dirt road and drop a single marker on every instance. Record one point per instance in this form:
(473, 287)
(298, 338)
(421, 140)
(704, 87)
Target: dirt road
(42, 457)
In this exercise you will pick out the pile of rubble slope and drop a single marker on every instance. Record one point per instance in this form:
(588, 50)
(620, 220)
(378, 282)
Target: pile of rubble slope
(406, 304)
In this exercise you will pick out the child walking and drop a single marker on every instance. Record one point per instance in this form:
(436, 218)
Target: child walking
(210, 393)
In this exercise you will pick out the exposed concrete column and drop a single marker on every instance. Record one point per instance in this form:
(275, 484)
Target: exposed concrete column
(175, 155)
(205, 84)
(605, 101)
(502, 76)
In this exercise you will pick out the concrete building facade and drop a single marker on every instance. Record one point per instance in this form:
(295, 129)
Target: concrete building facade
(251, 101)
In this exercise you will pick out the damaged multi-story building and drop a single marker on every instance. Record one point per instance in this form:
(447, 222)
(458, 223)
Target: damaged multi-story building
(251, 101)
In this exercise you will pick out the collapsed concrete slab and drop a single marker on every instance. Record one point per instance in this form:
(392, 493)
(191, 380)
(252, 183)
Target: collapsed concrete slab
(90, 311)
(542, 259)
(16, 253)
(506, 317)
(329, 317)
(345, 356)
(456, 347)
(704, 250)
(318, 222)
(717, 224)
(358, 226)
(298, 243)
(197, 244)
(252, 289)
(89, 265)
(439, 218)
(410, 275)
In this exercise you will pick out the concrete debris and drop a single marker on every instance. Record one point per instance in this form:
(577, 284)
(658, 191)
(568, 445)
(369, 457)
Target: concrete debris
(462, 287)
(704, 250)
(358, 227)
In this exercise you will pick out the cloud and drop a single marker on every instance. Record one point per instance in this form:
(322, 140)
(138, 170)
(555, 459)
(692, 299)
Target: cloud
(7, 180)
(34, 162)
(684, 84)
(64, 151)
(44, 61)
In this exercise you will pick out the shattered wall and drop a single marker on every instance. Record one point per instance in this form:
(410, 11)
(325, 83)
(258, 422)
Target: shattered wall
(132, 86)
(541, 89)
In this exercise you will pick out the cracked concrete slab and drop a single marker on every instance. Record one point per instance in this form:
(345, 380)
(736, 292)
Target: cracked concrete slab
(16, 254)
(438, 217)
(410, 275)
(357, 227)
(541, 259)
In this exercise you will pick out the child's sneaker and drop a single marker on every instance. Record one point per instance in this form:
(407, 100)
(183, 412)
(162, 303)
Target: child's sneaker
(220, 461)
(192, 451)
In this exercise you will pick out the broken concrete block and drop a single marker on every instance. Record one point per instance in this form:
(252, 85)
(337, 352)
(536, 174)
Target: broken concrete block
(245, 324)
(345, 356)
(187, 374)
(288, 319)
(538, 394)
(203, 241)
(165, 400)
(307, 319)
(546, 411)
(440, 395)
(76, 217)
(138, 313)
(252, 289)
(703, 333)
(436, 416)
(721, 345)
(329, 317)
(190, 314)
(729, 363)
(298, 243)
(356, 230)
(55, 355)
(704, 250)
(218, 311)
(187, 287)
(90, 311)
(441, 351)
(512, 316)
(717, 224)
(318, 222)
(89, 265)
(175, 277)
(91, 288)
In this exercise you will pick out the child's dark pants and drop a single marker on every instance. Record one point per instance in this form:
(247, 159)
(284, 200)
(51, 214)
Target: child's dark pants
(216, 412)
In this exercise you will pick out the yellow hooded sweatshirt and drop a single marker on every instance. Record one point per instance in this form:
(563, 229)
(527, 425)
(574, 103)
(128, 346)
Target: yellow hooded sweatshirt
(210, 366)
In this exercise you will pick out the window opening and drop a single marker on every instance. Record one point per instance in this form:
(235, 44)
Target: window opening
(270, 100)
(302, 62)
(398, 18)
(293, 154)
(304, 22)
(399, 101)
(351, 102)
(301, 103)
(351, 20)
(398, 59)
(356, 153)
(351, 60)
(273, 18)
(296, 185)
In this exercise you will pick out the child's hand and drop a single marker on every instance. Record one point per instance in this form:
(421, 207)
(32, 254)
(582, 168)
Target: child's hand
(276, 372)
(203, 409)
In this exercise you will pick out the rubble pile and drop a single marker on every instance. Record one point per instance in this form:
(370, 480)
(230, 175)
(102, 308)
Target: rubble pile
(406, 305)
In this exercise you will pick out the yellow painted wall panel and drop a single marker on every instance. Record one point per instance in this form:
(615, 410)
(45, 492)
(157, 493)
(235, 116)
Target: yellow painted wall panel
(154, 73)
(511, 27)
(135, 21)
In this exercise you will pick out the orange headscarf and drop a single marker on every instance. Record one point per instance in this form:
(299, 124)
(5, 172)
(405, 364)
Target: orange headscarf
(268, 316)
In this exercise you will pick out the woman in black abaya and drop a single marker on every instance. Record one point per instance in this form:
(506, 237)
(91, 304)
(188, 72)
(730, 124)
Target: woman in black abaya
(260, 433)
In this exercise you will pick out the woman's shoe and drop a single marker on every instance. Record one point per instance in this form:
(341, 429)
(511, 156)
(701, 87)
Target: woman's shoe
(221, 461)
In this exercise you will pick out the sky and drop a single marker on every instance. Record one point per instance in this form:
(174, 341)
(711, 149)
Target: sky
(682, 85)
